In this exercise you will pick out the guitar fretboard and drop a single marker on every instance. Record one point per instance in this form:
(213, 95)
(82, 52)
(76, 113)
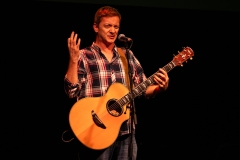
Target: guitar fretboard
(143, 86)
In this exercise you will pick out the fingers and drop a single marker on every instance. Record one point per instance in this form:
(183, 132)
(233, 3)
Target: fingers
(78, 43)
(161, 78)
(74, 41)
(72, 35)
(75, 38)
(68, 42)
(160, 81)
(70, 39)
(163, 74)
(162, 71)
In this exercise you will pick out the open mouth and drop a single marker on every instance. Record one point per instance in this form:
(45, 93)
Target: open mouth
(112, 37)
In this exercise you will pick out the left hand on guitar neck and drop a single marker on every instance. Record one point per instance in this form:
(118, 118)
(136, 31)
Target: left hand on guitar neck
(161, 78)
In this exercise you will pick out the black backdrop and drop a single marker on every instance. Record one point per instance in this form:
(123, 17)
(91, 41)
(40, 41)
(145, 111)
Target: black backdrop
(196, 118)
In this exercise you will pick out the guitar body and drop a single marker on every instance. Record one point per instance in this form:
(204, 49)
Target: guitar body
(82, 123)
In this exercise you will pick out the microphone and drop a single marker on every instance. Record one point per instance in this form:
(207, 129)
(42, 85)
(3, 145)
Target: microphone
(123, 38)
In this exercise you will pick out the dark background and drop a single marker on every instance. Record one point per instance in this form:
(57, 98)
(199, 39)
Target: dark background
(196, 118)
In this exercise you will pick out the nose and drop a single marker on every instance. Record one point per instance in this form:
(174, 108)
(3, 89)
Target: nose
(112, 29)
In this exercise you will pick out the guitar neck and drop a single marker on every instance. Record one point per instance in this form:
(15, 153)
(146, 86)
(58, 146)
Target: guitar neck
(143, 86)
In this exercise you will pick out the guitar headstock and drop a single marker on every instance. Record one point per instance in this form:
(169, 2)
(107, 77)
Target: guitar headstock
(183, 56)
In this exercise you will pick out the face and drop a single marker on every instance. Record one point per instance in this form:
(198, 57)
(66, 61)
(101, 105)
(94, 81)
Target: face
(107, 30)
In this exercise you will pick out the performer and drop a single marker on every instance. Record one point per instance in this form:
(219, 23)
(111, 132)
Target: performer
(92, 70)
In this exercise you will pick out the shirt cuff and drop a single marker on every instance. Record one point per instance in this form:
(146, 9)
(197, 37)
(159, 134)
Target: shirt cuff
(71, 85)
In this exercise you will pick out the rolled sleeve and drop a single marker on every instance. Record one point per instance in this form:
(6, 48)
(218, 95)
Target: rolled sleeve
(71, 89)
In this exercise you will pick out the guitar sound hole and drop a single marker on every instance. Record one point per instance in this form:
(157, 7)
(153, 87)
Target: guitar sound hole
(114, 108)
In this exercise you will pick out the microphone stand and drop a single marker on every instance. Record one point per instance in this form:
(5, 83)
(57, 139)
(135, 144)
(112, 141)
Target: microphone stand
(133, 115)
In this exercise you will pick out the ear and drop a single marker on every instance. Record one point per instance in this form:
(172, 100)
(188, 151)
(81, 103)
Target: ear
(95, 27)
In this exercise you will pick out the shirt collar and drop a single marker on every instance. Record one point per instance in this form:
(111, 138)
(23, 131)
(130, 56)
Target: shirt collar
(115, 51)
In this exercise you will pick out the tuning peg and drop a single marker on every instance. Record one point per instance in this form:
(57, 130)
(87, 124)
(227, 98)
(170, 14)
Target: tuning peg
(191, 58)
(181, 65)
(174, 55)
(186, 61)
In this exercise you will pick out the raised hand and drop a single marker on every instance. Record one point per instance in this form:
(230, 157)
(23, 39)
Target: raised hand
(74, 47)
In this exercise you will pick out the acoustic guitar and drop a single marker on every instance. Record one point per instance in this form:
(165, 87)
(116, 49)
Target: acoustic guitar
(96, 121)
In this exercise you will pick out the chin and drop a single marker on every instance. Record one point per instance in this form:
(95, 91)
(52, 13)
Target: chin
(111, 41)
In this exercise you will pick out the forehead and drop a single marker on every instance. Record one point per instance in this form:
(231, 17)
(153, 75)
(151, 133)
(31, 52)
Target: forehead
(110, 20)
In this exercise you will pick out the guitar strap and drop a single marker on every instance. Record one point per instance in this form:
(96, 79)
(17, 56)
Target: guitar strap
(125, 64)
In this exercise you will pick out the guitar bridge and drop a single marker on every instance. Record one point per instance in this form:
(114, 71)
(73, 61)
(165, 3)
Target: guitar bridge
(97, 121)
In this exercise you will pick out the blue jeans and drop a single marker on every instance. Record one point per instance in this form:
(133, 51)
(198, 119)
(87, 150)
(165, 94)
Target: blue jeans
(117, 151)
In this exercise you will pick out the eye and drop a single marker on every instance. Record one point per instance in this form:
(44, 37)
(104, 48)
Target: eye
(107, 25)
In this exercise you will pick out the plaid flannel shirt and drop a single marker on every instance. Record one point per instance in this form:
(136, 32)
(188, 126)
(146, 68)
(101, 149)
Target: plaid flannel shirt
(96, 74)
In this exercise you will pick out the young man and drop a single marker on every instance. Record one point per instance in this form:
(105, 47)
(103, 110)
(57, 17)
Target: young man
(94, 69)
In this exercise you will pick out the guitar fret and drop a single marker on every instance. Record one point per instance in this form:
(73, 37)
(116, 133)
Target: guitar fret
(135, 92)
(142, 86)
(127, 99)
(165, 68)
(129, 95)
(124, 99)
(169, 67)
(149, 81)
(120, 102)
